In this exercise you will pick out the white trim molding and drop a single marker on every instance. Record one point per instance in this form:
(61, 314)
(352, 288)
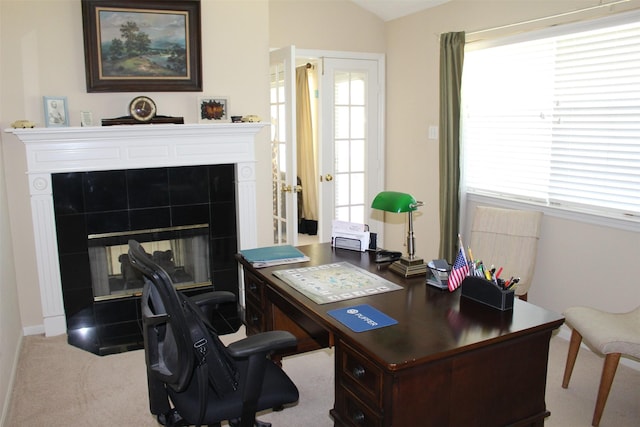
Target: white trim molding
(82, 149)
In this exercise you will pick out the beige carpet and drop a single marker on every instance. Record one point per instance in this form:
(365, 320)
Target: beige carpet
(60, 385)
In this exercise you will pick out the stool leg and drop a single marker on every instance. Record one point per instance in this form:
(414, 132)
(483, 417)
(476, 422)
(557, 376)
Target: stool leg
(608, 372)
(574, 346)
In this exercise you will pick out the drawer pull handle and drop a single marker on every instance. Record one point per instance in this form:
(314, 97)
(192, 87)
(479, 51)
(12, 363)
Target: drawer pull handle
(253, 287)
(254, 320)
(358, 417)
(358, 372)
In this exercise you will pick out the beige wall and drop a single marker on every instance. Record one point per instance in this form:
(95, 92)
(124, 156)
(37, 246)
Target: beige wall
(10, 324)
(578, 263)
(325, 25)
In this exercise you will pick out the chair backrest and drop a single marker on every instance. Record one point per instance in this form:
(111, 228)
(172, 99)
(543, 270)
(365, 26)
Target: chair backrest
(177, 336)
(166, 339)
(507, 238)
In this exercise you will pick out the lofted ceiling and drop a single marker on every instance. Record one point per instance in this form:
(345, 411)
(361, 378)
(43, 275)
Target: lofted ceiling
(392, 9)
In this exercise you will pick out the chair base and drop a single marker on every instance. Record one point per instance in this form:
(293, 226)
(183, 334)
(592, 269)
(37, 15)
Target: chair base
(173, 419)
(257, 423)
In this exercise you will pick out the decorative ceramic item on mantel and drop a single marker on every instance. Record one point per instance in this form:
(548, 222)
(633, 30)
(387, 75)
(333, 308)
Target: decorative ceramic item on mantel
(23, 124)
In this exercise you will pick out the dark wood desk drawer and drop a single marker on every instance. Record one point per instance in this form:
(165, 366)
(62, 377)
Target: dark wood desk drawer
(359, 375)
(254, 318)
(350, 411)
(254, 289)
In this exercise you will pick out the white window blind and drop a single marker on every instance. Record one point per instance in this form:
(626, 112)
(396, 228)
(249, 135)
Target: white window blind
(556, 120)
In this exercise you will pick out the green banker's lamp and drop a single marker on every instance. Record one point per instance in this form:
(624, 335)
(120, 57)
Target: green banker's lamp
(393, 201)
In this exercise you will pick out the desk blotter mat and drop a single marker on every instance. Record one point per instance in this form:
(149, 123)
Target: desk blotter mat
(335, 282)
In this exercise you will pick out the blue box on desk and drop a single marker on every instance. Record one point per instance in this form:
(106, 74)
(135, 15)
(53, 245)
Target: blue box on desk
(485, 292)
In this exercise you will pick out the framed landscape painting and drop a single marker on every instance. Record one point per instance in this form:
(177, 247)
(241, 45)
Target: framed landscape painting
(134, 46)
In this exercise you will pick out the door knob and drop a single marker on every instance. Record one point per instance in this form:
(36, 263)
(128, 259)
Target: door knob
(328, 177)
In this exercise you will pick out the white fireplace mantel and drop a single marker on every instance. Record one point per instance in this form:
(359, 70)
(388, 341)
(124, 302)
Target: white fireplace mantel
(81, 149)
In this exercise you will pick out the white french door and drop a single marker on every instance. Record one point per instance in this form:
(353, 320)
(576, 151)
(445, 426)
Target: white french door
(351, 142)
(283, 146)
(352, 148)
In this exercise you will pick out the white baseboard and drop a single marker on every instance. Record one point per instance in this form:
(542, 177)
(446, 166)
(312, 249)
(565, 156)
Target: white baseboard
(565, 333)
(12, 379)
(33, 330)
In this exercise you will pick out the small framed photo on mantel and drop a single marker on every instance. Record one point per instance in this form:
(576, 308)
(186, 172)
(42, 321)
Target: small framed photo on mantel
(213, 109)
(56, 113)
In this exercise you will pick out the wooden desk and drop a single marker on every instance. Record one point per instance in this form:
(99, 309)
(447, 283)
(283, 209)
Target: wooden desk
(448, 362)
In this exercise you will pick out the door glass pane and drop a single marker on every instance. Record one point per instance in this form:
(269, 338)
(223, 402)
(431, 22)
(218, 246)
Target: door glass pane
(357, 189)
(342, 189)
(342, 122)
(282, 130)
(342, 88)
(274, 113)
(357, 155)
(357, 124)
(358, 87)
(342, 213)
(342, 156)
(357, 214)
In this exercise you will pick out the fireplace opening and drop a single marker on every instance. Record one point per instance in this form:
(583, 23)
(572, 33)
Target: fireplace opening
(183, 252)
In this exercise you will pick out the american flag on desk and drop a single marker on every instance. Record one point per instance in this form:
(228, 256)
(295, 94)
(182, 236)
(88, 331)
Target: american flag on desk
(459, 271)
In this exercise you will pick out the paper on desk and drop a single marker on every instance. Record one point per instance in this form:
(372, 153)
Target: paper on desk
(351, 231)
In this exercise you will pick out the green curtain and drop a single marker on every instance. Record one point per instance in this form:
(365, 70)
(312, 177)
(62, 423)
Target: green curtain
(451, 61)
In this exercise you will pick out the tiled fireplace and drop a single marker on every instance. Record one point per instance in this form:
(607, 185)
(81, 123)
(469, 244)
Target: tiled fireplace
(184, 190)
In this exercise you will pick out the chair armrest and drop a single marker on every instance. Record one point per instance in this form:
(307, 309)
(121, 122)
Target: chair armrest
(212, 298)
(265, 342)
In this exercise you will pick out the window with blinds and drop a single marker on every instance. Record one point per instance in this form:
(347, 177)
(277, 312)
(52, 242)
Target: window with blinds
(555, 119)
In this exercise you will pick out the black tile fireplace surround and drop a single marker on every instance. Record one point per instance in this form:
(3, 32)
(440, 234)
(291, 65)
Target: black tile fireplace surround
(88, 203)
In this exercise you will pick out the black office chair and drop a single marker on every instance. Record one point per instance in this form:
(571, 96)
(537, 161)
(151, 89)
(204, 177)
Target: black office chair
(187, 363)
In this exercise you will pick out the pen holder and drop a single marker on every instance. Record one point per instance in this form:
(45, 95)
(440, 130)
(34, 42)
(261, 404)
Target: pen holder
(485, 292)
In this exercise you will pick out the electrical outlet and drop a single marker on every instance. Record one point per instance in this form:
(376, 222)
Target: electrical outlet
(433, 132)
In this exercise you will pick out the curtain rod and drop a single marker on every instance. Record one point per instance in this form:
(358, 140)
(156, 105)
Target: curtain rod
(559, 15)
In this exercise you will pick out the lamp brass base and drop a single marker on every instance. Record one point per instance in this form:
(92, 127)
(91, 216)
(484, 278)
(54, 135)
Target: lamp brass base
(409, 267)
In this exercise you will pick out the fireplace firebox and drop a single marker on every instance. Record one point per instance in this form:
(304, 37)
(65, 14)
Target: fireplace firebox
(183, 252)
(184, 217)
